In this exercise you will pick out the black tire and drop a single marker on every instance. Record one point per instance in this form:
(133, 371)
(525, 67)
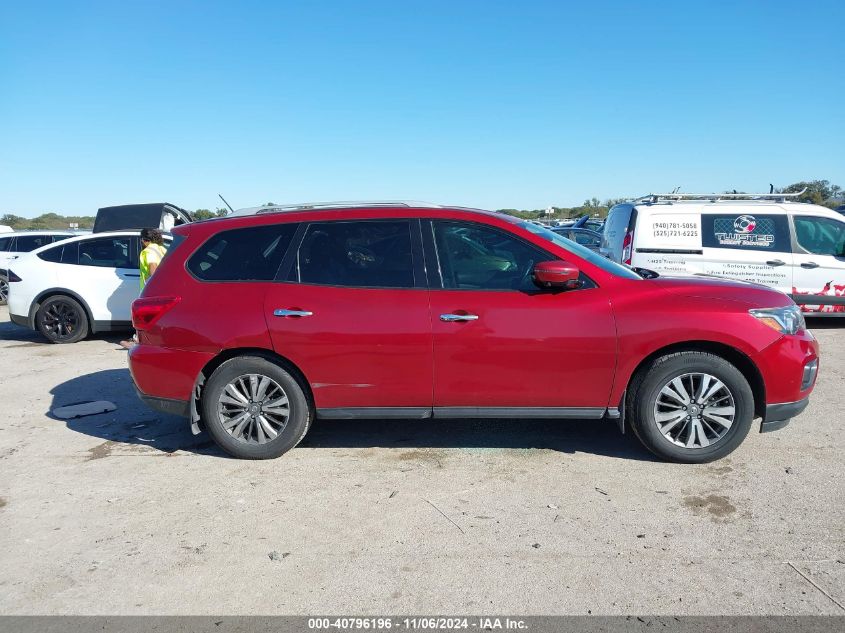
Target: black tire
(646, 388)
(62, 319)
(299, 415)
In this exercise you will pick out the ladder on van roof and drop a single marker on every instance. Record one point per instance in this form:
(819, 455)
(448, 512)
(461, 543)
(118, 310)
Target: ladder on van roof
(768, 197)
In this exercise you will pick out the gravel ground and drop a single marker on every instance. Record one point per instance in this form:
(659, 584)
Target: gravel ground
(128, 513)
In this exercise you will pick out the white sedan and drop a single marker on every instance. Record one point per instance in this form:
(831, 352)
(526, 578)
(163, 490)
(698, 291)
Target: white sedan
(81, 285)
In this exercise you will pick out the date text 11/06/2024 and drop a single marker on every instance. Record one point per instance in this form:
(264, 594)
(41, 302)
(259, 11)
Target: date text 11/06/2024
(417, 623)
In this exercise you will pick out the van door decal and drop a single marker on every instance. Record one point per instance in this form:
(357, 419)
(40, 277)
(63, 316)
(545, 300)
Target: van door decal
(743, 231)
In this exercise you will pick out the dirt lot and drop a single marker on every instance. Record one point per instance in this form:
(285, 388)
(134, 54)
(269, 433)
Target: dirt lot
(128, 513)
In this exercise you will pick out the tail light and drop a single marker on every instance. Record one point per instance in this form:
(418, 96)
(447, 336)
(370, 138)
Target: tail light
(628, 247)
(145, 312)
(13, 277)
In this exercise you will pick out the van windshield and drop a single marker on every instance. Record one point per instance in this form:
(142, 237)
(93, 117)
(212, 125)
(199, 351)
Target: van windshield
(581, 251)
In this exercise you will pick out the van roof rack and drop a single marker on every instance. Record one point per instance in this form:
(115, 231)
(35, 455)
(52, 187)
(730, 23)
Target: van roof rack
(777, 197)
(319, 206)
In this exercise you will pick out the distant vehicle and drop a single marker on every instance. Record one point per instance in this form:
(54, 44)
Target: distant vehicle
(259, 322)
(91, 283)
(584, 237)
(840, 209)
(768, 239)
(83, 285)
(586, 222)
(14, 244)
(160, 215)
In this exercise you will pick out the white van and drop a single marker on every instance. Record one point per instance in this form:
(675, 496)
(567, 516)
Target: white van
(795, 247)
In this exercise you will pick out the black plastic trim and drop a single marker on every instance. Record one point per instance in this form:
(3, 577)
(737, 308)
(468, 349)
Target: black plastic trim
(367, 413)
(182, 408)
(821, 300)
(672, 251)
(578, 413)
(778, 415)
(21, 320)
(112, 326)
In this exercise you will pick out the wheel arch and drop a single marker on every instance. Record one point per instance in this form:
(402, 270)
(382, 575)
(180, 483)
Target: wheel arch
(55, 292)
(268, 354)
(737, 358)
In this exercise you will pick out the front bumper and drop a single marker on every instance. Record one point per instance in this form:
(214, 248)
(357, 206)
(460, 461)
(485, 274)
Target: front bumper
(778, 415)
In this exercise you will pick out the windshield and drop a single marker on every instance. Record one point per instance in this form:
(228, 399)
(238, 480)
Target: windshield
(581, 251)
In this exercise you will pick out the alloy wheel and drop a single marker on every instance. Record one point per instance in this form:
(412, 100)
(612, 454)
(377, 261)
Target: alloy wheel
(694, 410)
(253, 409)
(60, 320)
(4, 291)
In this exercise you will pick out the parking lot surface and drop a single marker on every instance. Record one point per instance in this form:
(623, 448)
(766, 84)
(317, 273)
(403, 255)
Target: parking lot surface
(128, 513)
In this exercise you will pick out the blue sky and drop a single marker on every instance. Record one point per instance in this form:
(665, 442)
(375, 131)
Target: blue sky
(490, 104)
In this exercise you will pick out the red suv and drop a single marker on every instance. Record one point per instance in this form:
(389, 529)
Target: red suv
(259, 322)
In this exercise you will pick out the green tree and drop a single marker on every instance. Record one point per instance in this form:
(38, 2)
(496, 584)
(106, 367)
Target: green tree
(14, 221)
(818, 192)
(203, 214)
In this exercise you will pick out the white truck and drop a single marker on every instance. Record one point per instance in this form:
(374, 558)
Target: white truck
(768, 239)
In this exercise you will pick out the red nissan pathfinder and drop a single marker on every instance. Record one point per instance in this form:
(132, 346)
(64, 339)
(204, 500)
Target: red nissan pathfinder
(257, 323)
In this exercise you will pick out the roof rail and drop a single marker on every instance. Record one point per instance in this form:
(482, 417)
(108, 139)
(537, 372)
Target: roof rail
(319, 206)
(655, 197)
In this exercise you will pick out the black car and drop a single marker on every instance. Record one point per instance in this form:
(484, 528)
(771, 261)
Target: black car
(584, 237)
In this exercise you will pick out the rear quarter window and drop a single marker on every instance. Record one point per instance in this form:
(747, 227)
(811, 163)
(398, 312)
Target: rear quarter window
(744, 231)
(249, 254)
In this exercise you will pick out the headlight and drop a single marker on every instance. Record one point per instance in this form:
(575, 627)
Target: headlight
(786, 320)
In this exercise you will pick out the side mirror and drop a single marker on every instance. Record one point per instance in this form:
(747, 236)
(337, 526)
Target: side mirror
(556, 274)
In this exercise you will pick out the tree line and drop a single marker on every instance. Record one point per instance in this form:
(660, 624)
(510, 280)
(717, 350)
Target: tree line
(820, 192)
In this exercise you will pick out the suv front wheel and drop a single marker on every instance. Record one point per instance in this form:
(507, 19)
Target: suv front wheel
(254, 409)
(691, 407)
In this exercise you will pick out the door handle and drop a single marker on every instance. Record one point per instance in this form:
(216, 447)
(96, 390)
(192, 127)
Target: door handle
(131, 274)
(451, 318)
(809, 265)
(776, 262)
(292, 313)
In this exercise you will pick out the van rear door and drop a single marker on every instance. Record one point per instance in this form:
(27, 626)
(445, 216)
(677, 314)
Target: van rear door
(751, 247)
(620, 219)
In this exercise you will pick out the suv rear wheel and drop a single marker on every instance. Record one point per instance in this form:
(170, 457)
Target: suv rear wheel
(254, 409)
(691, 407)
(62, 319)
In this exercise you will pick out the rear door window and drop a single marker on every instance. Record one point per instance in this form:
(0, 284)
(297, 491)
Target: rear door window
(748, 232)
(108, 252)
(360, 254)
(5, 242)
(250, 254)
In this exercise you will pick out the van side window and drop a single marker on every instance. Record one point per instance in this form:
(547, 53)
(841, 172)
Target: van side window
(820, 236)
(746, 232)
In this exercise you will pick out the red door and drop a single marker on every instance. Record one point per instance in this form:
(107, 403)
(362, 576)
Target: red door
(501, 343)
(355, 319)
